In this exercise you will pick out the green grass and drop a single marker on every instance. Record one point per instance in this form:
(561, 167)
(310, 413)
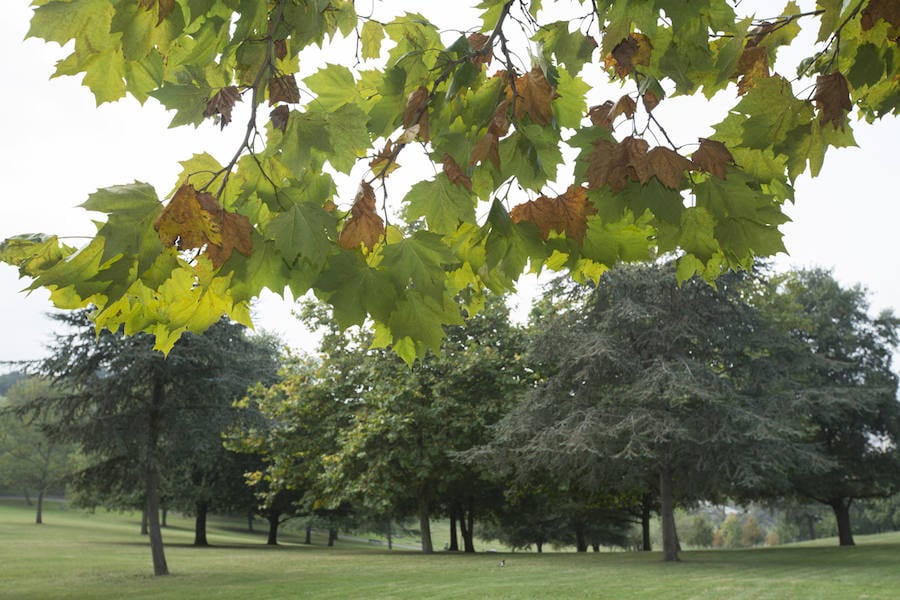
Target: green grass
(76, 555)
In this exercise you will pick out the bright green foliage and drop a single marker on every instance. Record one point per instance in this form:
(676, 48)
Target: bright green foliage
(498, 130)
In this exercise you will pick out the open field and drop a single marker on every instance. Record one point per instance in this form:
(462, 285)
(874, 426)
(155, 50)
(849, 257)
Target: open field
(76, 555)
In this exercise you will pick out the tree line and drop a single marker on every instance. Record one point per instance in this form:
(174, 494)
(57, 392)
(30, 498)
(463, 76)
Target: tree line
(616, 402)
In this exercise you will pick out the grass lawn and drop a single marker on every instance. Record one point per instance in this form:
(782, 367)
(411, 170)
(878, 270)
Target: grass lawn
(76, 555)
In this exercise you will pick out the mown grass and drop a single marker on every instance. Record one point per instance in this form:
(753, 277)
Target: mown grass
(76, 555)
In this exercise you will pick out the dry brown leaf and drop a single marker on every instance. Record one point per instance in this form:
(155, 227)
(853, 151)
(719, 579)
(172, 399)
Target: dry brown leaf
(668, 166)
(279, 116)
(499, 124)
(364, 226)
(184, 224)
(752, 66)
(236, 234)
(283, 89)
(533, 96)
(625, 106)
(889, 10)
(633, 50)
(712, 157)
(222, 103)
(280, 48)
(454, 173)
(599, 115)
(564, 214)
(832, 98)
(487, 148)
(385, 162)
(482, 55)
(651, 100)
(609, 164)
(416, 112)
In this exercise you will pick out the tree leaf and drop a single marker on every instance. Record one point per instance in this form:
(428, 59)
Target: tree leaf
(364, 227)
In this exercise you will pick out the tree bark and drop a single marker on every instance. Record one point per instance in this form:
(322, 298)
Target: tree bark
(595, 547)
(39, 515)
(250, 520)
(454, 541)
(469, 537)
(165, 517)
(390, 535)
(540, 546)
(645, 525)
(308, 540)
(274, 519)
(580, 538)
(667, 512)
(841, 508)
(332, 536)
(424, 523)
(200, 525)
(145, 528)
(152, 474)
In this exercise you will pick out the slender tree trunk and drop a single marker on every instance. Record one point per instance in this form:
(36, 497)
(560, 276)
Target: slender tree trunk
(308, 540)
(454, 541)
(540, 546)
(332, 536)
(390, 535)
(424, 523)
(152, 474)
(274, 519)
(646, 546)
(469, 537)
(667, 511)
(595, 547)
(145, 527)
(200, 525)
(811, 525)
(250, 521)
(580, 539)
(841, 508)
(39, 515)
(165, 517)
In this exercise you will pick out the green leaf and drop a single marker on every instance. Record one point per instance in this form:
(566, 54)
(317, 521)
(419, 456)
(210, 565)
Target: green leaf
(371, 36)
(303, 230)
(333, 86)
(187, 100)
(443, 204)
(421, 261)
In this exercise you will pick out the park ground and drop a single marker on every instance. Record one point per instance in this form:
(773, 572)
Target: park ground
(102, 556)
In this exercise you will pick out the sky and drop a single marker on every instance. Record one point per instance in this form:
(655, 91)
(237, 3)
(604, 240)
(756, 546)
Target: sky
(59, 147)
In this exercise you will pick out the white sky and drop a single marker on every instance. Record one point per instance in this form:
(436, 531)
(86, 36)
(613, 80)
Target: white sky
(59, 148)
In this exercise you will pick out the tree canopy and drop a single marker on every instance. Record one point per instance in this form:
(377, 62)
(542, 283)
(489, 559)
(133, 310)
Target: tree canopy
(523, 163)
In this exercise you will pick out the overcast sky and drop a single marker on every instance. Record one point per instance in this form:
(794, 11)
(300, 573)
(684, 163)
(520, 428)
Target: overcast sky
(59, 148)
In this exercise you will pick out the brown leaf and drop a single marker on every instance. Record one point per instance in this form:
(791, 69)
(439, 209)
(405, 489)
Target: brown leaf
(165, 7)
(651, 100)
(364, 226)
(499, 124)
(614, 164)
(416, 112)
(280, 115)
(625, 106)
(385, 162)
(832, 98)
(236, 234)
(567, 213)
(712, 157)
(889, 10)
(668, 166)
(455, 174)
(184, 224)
(482, 55)
(222, 103)
(487, 148)
(533, 96)
(599, 115)
(280, 48)
(752, 66)
(283, 89)
(633, 50)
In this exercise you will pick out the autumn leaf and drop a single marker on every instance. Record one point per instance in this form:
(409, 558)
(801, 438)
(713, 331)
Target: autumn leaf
(236, 234)
(599, 115)
(609, 164)
(481, 55)
(222, 103)
(832, 98)
(752, 66)
(889, 10)
(499, 124)
(712, 157)
(487, 148)
(385, 162)
(184, 224)
(666, 165)
(416, 112)
(651, 100)
(165, 7)
(280, 49)
(279, 116)
(364, 226)
(533, 96)
(455, 173)
(625, 106)
(633, 50)
(283, 89)
(564, 214)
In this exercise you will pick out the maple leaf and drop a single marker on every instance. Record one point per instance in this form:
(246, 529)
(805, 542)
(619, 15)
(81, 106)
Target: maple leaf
(564, 214)
(222, 103)
(752, 66)
(625, 106)
(889, 10)
(481, 54)
(283, 89)
(608, 163)
(385, 162)
(364, 226)
(487, 148)
(651, 100)
(184, 224)
(165, 7)
(712, 157)
(599, 115)
(499, 124)
(666, 165)
(455, 174)
(279, 116)
(280, 48)
(832, 98)
(236, 232)
(416, 112)
(533, 96)
(633, 50)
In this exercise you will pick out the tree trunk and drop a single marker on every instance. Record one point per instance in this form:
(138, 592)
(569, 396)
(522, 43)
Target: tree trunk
(580, 539)
(841, 508)
(540, 546)
(667, 512)
(145, 528)
(390, 536)
(454, 542)
(469, 537)
(152, 474)
(595, 547)
(274, 519)
(424, 523)
(250, 521)
(165, 517)
(332, 536)
(200, 525)
(39, 515)
(811, 525)
(646, 546)
(308, 540)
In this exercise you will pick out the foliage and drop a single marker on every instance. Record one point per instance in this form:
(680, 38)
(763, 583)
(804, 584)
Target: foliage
(498, 130)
